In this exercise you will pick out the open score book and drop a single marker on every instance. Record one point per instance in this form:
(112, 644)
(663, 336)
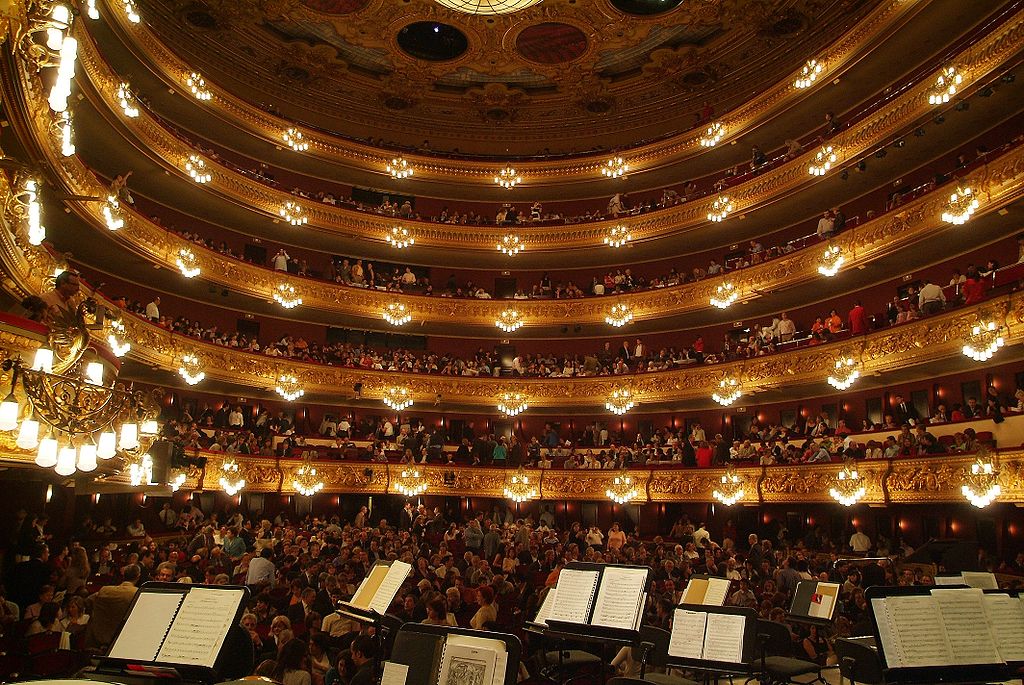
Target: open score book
(706, 590)
(380, 586)
(612, 597)
(707, 636)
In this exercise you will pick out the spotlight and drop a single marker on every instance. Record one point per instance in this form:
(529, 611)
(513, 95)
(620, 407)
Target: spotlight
(919, 131)
(899, 143)
(939, 119)
(1008, 78)
(862, 166)
(962, 106)
(845, 175)
(986, 92)
(880, 153)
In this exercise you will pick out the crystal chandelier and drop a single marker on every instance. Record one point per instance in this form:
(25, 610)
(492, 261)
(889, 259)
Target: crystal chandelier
(981, 483)
(294, 139)
(400, 238)
(411, 483)
(519, 489)
(961, 206)
(615, 167)
(619, 315)
(618, 236)
(509, 320)
(287, 296)
(844, 375)
(823, 161)
(197, 85)
(293, 213)
(508, 178)
(117, 338)
(397, 397)
(712, 135)
(231, 478)
(90, 9)
(808, 74)
(729, 390)
(720, 208)
(196, 168)
(510, 244)
(61, 49)
(188, 263)
(622, 489)
(112, 215)
(288, 387)
(396, 314)
(191, 369)
(127, 100)
(306, 481)
(831, 260)
(730, 488)
(131, 12)
(487, 6)
(620, 401)
(29, 205)
(848, 488)
(399, 168)
(67, 144)
(946, 84)
(984, 340)
(725, 294)
(512, 403)
(176, 479)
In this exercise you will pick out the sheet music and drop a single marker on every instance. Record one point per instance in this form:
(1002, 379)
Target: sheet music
(695, 591)
(910, 628)
(397, 573)
(368, 588)
(464, 665)
(687, 640)
(723, 639)
(980, 579)
(200, 627)
(575, 595)
(142, 633)
(717, 592)
(497, 646)
(957, 579)
(394, 674)
(966, 624)
(619, 598)
(545, 607)
(1006, 623)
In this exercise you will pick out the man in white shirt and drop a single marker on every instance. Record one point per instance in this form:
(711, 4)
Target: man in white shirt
(153, 309)
(786, 329)
(859, 542)
(344, 427)
(408, 278)
(931, 299)
(281, 260)
(825, 225)
(262, 569)
(235, 419)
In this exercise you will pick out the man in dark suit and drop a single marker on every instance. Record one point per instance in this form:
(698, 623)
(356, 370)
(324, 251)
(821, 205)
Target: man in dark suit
(363, 651)
(408, 516)
(904, 412)
(297, 612)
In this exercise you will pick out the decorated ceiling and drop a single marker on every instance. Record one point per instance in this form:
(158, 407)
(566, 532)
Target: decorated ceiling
(559, 75)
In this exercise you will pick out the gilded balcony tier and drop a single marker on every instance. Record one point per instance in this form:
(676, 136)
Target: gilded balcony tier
(978, 62)
(248, 117)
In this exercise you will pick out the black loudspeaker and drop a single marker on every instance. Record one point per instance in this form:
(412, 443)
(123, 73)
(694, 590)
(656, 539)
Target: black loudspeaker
(160, 452)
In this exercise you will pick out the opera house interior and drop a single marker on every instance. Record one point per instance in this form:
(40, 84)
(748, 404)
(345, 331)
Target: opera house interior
(494, 341)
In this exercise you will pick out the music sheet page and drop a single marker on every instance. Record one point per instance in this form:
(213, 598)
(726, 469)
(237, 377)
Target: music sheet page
(1006, 622)
(140, 638)
(723, 640)
(368, 588)
(619, 598)
(545, 607)
(695, 591)
(717, 592)
(575, 595)
(394, 674)
(687, 640)
(984, 580)
(910, 628)
(198, 631)
(396, 575)
(963, 615)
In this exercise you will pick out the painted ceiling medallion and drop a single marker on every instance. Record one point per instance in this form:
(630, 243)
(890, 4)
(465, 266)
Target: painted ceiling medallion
(487, 6)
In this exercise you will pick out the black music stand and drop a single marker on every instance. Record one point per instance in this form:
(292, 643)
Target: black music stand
(420, 646)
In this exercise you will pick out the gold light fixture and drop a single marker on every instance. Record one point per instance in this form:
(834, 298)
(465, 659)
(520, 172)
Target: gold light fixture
(306, 480)
(196, 168)
(510, 244)
(131, 11)
(618, 236)
(288, 387)
(720, 208)
(399, 168)
(619, 315)
(117, 338)
(713, 134)
(512, 403)
(127, 101)
(509, 320)
(231, 480)
(615, 167)
(844, 375)
(983, 341)
(823, 161)
(400, 238)
(725, 294)
(188, 263)
(730, 488)
(487, 7)
(67, 144)
(981, 482)
(946, 85)
(519, 489)
(112, 214)
(90, 9)
(396, 314)
(293, 213)
(620, 401)
(176, 479)
(808, 74)
(848, 488)
(197, 86)
(191, 369)
(398, 397)
(729, 390)
(294, 139)
(622, 489)
(961, 206)
(27, 205)
(831, 260)
(508, 178)
(287, 296)
(411, 483)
